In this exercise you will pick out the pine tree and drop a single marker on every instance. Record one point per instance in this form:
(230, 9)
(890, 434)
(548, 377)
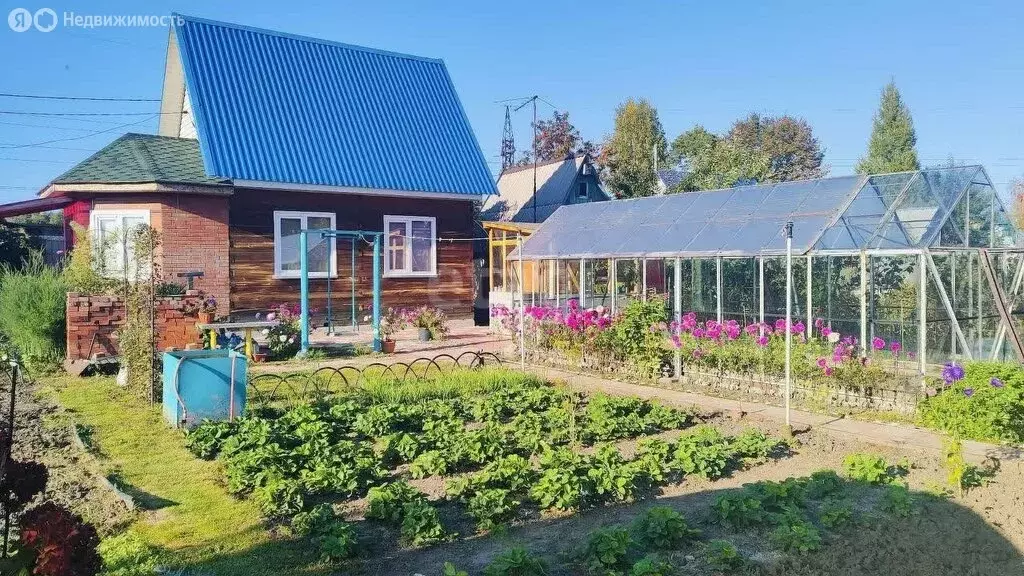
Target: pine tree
(891, 148)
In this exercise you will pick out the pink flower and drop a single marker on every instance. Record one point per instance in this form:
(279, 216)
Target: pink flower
(819, 322)
(877, 343)
(895, 347)
(762, 341)
(780, 325)
(825, 331)
(822, 363)
(698, 333)
(828, 371)
(697, 353)
(676, 341)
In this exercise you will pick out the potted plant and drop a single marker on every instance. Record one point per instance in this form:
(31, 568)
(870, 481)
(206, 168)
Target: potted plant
(392, 321)
(207, 310)
(432, 323)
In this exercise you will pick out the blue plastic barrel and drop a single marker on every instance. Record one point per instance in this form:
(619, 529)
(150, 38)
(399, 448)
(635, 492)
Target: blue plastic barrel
(203, 384)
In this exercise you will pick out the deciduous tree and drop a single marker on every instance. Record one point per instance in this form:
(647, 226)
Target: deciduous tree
(631, 152)
(793, 151)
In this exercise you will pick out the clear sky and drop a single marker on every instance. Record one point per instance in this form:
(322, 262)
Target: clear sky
(959, 66)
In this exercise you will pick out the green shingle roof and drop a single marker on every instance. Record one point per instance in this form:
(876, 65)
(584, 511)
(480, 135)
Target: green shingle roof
(135, 158)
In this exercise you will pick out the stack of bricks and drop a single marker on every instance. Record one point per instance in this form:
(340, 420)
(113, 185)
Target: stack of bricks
(93, 322)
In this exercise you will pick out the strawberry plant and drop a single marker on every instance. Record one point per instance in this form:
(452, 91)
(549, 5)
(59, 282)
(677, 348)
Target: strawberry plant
(386, 501)
(896, 500)
(429, 463)
(564, 482)
(722, 555)
(611, 477)
(824, 483)
(836, 515)
(516, 562)
(607, 549)
(662, 528)
(651, 566)
(872, 469)
(421, 526)
(738, 510)
(798, 536)
(654, 458)
(491, 507)
(705, 452)
(205, 440)
(753, 445)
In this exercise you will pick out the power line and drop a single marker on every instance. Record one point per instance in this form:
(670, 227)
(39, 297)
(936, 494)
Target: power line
(9, 159)
(72, 128)
(76, 98)
(58, 114)
(97, 133)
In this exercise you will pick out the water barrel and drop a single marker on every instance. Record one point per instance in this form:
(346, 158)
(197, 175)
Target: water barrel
(203, 384)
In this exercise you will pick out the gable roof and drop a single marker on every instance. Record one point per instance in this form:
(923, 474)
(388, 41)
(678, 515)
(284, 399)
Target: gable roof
(671, 177)
(514, 202)
(846, 213)
(139, 158)
(274, 107)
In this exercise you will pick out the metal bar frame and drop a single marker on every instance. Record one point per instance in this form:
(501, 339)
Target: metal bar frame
(718, 287)
(947, 304)
(677, 290)
(922, 314)
(810, 320)
(863, 303)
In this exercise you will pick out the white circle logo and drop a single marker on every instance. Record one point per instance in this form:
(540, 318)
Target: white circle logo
(44, 24)
(20, 19)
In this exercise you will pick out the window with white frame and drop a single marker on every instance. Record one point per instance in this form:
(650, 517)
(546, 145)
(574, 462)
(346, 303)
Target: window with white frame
(411, 246)
(321, 252)
(112, 246)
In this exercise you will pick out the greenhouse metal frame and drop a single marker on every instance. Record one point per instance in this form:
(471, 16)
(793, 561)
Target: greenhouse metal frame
(929, 258)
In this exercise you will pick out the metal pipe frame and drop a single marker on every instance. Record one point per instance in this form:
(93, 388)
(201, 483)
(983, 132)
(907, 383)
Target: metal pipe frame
(863, 303)
(677, 290)
(718, 287)
(810, 320)
(947, 305)
(922, 314)
(760, 282)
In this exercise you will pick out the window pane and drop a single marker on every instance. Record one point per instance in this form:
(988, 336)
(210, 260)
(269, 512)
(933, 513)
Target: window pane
(396, 245)
(289, 242)
(422, 246)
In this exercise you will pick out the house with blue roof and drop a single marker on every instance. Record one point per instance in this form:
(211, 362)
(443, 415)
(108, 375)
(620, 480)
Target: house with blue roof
(263, 134)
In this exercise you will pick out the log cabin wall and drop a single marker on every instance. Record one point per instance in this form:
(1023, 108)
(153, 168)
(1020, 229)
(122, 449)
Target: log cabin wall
(253, 285)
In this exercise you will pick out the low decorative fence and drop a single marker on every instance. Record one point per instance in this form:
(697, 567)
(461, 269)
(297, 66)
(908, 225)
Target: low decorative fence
(270, 389)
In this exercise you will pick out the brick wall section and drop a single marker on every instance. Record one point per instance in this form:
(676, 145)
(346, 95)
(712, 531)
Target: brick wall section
(195, 238)
(99, 317)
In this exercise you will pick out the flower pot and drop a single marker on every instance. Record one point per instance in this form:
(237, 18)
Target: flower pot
(424, 334)
(388, 346)
(205, 317)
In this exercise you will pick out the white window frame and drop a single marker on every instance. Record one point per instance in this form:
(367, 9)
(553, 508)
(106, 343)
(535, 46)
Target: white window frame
(407, 272)
(304, 216)
(94, 229)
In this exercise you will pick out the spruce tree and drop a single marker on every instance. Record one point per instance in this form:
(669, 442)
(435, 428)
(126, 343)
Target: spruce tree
(892, 145)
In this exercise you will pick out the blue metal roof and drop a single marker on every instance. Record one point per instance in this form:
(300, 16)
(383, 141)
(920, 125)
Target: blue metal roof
(276, 107)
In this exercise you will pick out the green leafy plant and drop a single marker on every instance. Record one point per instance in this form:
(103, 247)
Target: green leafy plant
(337, 541)
(564, 481)
(429, 463)
(738, 510)
(799, 536)
(205, 440)
(430, 318)
(992, 410)
(451, 570)
(611, 477)
(835, 515)
(312, 521)
(871, 469)
(722, 555)
(33, 301)
(662, 528)
(492, 507)
(421, 525)
(607, 548)
(824, 483)
(651, 566)
(897, 501)
(704, 452)
(127, 554)
(516, 561)
(753, 445)
(386, 502)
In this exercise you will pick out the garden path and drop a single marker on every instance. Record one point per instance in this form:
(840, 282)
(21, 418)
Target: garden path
(882, 433)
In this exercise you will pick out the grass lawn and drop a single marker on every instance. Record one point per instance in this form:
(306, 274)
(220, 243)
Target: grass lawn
(190, 514)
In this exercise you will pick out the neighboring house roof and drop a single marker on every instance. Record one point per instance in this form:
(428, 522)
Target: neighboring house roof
(514, 202)
(138, 158)
(274, 107)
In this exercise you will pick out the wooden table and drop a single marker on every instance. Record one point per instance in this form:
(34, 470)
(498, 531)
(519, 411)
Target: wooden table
(248, 327)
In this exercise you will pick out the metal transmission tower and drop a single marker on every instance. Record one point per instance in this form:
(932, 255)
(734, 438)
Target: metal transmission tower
(508, 143)
(533, 100)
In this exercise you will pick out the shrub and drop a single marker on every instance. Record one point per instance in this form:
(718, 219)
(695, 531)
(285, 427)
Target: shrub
(662, 528)
(607, 548)
(80, 268)
(33, 303)
(992, 411)
(722, 555)
(516, 562)
(632, 337)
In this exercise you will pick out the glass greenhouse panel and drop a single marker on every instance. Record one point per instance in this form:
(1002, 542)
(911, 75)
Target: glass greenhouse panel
(568, 280)
(893, 301)
(775, 289)
(741, 299)
(659, 276)
(836, 293)
(628, 282)
(979, 208)
(700, 281)
(942, 343)
(597, 284)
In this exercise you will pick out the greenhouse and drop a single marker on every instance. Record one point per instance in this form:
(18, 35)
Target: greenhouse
(928, 258)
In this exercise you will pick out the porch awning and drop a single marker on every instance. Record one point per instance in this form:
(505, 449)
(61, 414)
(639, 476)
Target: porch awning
(34, 206)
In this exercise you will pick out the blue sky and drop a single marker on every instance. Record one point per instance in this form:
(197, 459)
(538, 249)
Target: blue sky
(959, 65)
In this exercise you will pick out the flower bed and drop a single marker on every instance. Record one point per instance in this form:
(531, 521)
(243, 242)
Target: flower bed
(744, 361)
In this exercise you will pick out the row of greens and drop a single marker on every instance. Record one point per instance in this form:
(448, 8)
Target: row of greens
(799, 516)
(487, 424)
